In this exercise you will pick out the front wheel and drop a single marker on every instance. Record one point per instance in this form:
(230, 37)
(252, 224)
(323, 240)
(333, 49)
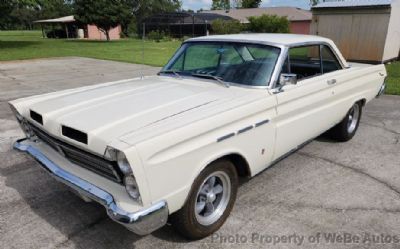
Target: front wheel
(346, 129)
(210, 201)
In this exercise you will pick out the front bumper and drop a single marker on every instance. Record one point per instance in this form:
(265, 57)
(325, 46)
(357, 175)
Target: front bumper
(141, 222)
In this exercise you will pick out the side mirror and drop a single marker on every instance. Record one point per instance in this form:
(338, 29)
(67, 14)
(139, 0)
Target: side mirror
(288, 79)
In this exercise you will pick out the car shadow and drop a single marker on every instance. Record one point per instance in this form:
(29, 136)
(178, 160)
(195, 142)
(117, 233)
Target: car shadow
(326, 138)
(83, 224)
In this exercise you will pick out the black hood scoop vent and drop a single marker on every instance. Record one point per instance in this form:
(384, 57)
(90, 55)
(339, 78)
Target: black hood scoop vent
(37, 117)
(74, 134)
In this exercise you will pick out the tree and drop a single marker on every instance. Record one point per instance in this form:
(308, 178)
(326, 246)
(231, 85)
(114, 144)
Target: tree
(221, 5)
(105, 14)
(220, 26)
(5, 8)
(250, 4)
(269, 24)
(48, 9)
(142, 9)
(16, 14)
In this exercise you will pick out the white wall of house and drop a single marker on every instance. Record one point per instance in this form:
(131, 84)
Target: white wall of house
(392, 46)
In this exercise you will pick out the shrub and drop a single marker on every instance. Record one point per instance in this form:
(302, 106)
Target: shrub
(268, 24)
(185, 37)
(157, 35)
(131, 29)
(220, 26)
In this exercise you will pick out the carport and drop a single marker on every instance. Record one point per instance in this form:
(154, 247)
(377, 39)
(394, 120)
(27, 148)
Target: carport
(66, 22)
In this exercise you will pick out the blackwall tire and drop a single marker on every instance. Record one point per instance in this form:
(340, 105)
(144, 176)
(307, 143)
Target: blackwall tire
(209, 203)
(347, 128)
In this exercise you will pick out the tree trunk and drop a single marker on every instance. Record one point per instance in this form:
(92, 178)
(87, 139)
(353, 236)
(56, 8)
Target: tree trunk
(107, 34)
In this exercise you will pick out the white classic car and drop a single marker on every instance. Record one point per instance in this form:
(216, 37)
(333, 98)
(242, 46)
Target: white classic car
(173, 146)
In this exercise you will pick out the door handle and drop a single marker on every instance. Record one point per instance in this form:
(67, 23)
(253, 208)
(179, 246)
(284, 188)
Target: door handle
(332, 82)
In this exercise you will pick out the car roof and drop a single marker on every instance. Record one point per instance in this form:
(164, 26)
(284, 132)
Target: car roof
(278, 39)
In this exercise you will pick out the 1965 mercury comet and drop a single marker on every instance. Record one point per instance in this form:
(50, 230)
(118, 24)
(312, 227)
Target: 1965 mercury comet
(173, 146)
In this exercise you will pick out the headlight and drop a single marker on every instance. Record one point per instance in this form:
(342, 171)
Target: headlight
(131, 187)
(129, 179)
(123, 164)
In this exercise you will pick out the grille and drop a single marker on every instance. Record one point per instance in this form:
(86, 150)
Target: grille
(79, 157)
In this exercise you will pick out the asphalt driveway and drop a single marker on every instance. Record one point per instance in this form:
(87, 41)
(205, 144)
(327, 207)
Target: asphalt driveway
(350, 189)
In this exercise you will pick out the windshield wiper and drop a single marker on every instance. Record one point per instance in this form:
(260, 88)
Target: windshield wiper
(176, 73)
(209, 76)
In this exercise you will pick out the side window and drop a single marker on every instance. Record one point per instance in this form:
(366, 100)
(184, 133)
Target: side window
(304, 61)
(329, 60)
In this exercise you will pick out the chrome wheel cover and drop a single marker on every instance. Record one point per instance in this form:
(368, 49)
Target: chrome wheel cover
(212, 198)
(352, 122)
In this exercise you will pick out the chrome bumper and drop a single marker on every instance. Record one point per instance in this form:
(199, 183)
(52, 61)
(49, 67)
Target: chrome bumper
(381, 90)
(141, 222)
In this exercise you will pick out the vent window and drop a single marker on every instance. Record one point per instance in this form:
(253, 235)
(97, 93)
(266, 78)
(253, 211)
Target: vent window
(74, 134)
(37, 117)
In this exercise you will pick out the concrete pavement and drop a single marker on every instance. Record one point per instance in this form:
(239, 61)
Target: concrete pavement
(326, 187)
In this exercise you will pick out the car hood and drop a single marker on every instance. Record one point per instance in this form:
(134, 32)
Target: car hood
(115, 111)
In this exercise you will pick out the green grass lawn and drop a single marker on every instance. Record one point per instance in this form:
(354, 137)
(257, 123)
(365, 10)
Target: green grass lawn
(393, 81)
(19, 45)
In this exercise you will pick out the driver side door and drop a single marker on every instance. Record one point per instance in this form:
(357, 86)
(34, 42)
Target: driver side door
(304, 109)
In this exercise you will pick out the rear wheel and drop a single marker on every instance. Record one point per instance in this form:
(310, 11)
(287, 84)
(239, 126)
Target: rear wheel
(346, 129)
(210, 201)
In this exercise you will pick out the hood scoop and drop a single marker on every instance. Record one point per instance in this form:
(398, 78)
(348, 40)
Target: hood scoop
(37, 117)
(74, 134)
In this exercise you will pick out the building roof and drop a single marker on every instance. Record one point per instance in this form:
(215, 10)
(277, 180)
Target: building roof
(353, 3)
(184, 18)
(279, 39)
(64, 19)
(292, 13)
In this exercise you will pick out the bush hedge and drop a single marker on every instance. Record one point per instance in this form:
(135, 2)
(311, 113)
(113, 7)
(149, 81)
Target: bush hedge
(268, 24)
(221, 27)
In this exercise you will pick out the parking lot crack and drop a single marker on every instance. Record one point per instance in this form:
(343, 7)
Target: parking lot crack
(341, 209)
(382, 127)
(355, 170)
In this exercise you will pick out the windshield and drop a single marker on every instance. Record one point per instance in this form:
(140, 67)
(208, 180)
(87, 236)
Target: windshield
(241, 63)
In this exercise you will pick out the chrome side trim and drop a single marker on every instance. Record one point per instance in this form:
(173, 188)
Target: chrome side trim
(225, 137)
(142, 222)
(243, 130)
(381, 90)
(262, 122)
